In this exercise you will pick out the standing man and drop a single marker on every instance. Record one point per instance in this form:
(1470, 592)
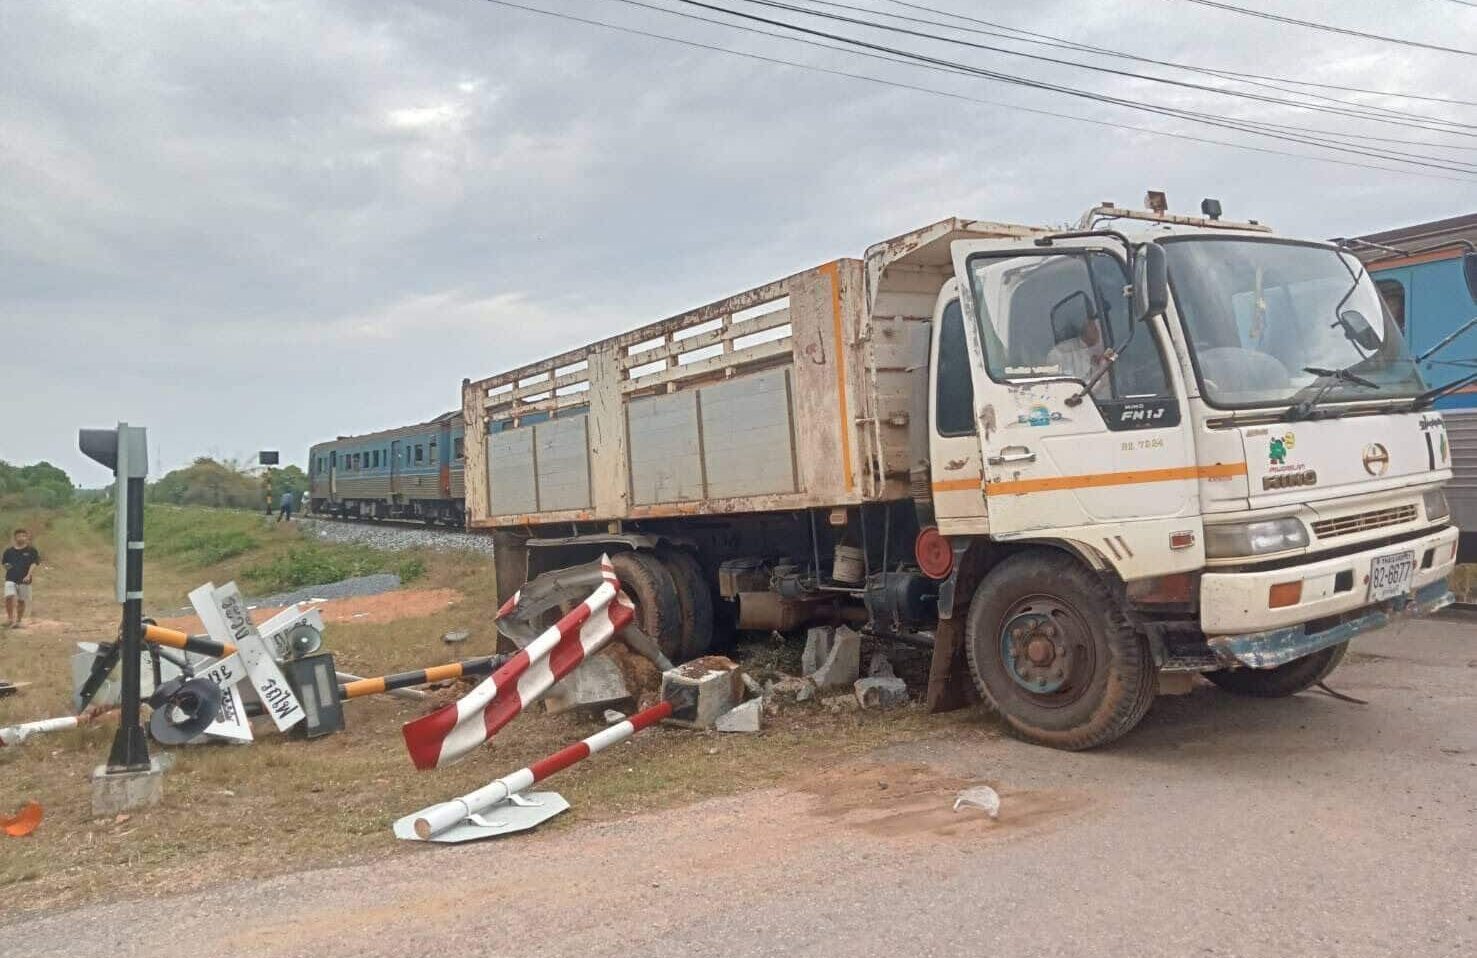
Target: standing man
(20, 562)
(303, 503)
(286, 506)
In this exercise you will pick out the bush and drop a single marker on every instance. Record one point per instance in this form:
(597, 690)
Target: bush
(37, 486)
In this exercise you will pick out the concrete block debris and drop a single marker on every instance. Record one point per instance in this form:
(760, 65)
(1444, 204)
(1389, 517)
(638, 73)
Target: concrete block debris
(982, 797)
(842, 662)
(789, 689)
(881, 693)
(702, 690)
(817, 647)
(747, 717)
(595, 684)
(880, 667)
(114, 793)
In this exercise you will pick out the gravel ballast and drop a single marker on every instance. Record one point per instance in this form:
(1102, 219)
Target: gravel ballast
(394, 537)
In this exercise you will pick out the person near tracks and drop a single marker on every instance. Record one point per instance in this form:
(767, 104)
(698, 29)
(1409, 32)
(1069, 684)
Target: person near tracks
(20, 562)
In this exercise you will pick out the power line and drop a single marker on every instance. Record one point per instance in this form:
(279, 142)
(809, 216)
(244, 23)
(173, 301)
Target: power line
(1046, 39)
(1392, 117)
(866, 78)
(1328, 28)
(1159, 109)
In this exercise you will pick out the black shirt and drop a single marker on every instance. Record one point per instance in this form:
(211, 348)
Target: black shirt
(18, 562)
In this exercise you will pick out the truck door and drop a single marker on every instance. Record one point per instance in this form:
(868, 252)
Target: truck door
(957, 468)
(1113, 470)
(333, 476)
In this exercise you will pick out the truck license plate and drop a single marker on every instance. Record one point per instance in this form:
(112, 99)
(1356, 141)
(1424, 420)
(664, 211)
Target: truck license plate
(1390, 575)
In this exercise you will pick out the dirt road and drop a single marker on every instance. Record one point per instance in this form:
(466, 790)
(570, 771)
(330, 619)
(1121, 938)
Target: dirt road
(1222, 827)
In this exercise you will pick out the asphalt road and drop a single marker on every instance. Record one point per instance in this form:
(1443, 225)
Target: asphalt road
(1222, 826)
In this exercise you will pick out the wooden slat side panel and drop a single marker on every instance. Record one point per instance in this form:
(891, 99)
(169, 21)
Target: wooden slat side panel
(510, 470)
(748, 448)
(666, 453)
(562, 455)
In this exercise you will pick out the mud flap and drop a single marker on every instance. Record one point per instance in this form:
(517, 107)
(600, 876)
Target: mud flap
(949, 684)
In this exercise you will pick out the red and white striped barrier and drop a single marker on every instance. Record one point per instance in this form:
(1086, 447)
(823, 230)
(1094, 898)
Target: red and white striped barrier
(16, 734)
(429, 823)
(448, 734)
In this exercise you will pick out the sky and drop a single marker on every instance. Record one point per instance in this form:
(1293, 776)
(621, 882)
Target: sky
(258, 225)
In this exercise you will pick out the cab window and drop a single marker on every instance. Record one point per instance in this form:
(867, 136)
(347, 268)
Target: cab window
(954, 402)
(1056, 315)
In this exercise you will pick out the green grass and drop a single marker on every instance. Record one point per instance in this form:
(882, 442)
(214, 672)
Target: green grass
(266, 556)
(315, 563)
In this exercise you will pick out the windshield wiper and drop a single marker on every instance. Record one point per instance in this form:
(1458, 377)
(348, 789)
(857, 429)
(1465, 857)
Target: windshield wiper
(1431, 395)
(1304, 409)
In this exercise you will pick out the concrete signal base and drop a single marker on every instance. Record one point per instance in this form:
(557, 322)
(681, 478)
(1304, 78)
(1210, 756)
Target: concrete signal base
(116, 792)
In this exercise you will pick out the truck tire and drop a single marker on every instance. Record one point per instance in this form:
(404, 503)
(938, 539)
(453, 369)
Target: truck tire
(694, 598)
(651, 588)
(1052, 653)
(1284, 680)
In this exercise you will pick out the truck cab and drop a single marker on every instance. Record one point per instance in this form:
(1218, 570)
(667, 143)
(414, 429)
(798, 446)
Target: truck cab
(1224, 426)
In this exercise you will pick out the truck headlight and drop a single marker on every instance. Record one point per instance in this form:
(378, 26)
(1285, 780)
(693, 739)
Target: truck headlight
(1436, 507)
(1254, 538)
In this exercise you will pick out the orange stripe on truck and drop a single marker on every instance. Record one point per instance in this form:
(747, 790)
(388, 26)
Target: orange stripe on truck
(1221, 470)
(838, 350)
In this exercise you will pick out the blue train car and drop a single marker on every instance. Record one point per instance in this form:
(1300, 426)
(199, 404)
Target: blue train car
(411, 472)
(1427, 295)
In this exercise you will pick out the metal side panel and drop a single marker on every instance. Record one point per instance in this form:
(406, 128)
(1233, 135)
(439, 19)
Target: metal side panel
(747, 436)
(562, 463)
(665, 448)
(1461, 492)
(510, 472)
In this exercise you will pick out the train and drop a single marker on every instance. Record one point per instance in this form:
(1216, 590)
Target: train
(410, 472)
(1418, 272)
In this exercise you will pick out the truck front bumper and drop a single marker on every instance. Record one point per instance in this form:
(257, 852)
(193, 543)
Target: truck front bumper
(1241, 627)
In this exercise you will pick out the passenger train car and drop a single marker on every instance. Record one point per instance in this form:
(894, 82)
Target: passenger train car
(411, 472)
(1426, 294)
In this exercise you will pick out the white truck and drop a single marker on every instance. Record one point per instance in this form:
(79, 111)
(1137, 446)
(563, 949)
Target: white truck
(1066, 460)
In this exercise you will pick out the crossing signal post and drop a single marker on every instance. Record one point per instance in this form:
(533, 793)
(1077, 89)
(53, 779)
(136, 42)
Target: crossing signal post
(125, 451)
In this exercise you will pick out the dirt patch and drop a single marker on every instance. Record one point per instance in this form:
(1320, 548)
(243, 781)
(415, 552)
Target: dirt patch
(917, 801)
(356, 610)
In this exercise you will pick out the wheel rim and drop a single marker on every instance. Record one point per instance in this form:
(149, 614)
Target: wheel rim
(1047, 651)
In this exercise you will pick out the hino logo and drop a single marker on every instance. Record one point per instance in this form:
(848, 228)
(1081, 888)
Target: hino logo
(1290, 480)
(1376, 459)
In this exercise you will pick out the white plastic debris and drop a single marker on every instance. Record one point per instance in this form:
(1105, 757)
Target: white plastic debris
(455, 636)
(612, 716)
(982, 797)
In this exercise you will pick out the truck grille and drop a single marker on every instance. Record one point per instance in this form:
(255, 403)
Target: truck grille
(1360, 522)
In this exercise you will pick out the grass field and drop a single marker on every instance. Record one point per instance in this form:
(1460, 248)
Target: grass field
(283, 804)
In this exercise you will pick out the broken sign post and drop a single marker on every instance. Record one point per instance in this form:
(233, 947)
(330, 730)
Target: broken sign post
(226, 619)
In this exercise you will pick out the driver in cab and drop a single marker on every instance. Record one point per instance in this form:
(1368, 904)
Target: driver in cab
(1082, 355)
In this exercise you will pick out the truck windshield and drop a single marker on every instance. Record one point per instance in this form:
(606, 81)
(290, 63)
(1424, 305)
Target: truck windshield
(1262, 315)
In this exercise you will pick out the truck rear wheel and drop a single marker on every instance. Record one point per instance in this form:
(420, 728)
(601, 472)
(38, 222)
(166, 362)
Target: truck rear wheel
(694, 598)
(1284, 680)
(1052, 653)
(651, 588)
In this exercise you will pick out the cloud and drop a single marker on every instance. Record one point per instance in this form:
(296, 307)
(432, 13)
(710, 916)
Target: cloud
(253, 224)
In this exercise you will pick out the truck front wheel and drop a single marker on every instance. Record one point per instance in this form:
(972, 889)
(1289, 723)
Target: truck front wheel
(1284, 680)
(1052, 653)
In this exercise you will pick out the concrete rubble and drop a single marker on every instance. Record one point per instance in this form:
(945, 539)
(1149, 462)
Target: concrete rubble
(832, 658)
(790, 689)
(747, 717)
(880, 666)
(878, 692)
(597, 682)
(702, 690)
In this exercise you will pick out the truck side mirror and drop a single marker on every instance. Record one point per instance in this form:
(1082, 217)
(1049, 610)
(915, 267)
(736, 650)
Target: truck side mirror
(1469, 272)
(1150, 282)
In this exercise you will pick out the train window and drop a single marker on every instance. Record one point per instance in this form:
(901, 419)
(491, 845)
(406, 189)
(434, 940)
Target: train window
(376, 459)
(333, 457)
(458, 449)
(1392, 291)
